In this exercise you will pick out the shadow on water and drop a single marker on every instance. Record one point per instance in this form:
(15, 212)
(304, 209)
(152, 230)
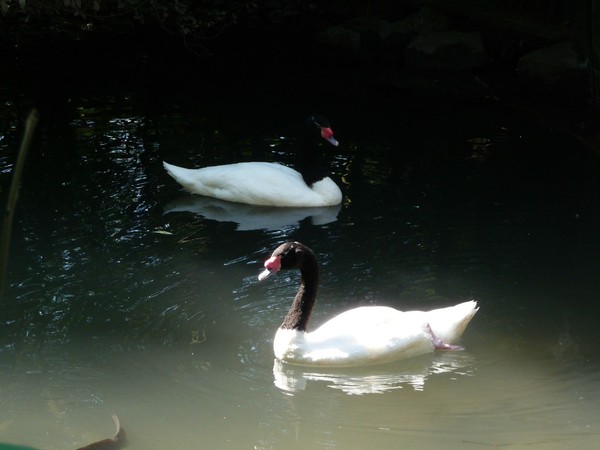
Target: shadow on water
(125, 299)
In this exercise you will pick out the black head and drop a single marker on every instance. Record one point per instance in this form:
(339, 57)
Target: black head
(322, 124)
(318, 120)
(291, 255)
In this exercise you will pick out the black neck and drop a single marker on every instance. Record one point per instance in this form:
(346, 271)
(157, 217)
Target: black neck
(309, 154)
(311, 174)
(299, 314)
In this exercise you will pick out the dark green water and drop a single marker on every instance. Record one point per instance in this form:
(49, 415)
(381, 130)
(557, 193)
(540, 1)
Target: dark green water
(126, 295)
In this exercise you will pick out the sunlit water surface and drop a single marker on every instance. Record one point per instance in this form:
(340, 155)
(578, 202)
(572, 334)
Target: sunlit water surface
(128, 296)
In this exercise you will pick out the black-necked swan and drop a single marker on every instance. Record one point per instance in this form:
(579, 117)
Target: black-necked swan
(360, 336)
(266, 183)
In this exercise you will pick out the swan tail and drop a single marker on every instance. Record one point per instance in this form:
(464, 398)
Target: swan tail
(191, 180)
(179, 174)
(448, 324)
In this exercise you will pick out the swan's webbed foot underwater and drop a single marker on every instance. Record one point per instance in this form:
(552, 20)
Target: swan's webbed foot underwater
(438, 344)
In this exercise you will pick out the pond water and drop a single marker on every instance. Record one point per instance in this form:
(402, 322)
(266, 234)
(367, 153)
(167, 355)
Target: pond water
(126, 295)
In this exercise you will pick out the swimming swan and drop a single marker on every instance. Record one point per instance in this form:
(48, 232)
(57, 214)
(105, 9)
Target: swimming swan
(266, 183)
(360, 336)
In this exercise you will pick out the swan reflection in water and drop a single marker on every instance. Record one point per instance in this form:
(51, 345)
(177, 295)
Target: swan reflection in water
(253, 217)
(374, 379)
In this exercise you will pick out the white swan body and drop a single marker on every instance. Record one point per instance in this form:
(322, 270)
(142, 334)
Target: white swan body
(360, 336)
(257, 183)
(373, 335)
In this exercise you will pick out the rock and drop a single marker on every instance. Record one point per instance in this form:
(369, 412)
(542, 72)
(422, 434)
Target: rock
(555, 70)
(398, 34)
(358, 38)
(370, 31)
(551, 65)
(340, 38)
(365, 25)
(429, 19)
(446, 50)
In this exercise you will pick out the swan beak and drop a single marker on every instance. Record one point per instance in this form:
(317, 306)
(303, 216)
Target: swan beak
(332, 141)
(327, 134)
(272, 265)
(266, 274)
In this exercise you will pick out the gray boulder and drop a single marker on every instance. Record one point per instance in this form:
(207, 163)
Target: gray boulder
(552, 65)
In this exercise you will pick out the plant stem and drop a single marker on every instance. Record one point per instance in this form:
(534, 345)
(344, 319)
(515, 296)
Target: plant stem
(13, 194)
